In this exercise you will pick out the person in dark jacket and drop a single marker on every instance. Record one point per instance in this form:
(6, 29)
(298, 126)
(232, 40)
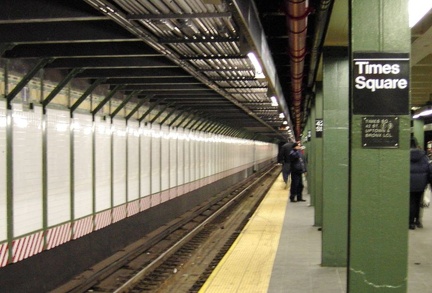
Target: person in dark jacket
(285, 161)
(420, 176)
(298, 167)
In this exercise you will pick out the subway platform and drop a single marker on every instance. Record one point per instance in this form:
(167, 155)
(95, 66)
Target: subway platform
(280, 251)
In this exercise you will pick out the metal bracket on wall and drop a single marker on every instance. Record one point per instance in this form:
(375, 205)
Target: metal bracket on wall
(208, 126)
(203, 125)
(199, 120)
(25, 80)
(184, 119)
(191, 120)
(5, 47)
(216, 128)
(160, 112)
(140, 103)
(107, 98)
(150, 109)
(169, 114)
(178, 116)
(225, 130)
(123, 103)
(230, 131)
(90, 89)
(60, 86)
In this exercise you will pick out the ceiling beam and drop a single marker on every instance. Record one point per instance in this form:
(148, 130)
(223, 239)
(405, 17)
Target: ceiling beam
(178, 16)
(129, 48)
(67, 31)
(113, 62)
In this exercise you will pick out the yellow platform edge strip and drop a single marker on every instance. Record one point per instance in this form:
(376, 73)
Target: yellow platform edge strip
(248, 264)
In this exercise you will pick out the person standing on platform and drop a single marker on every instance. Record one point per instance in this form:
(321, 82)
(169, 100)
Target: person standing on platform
(284, 159)
(420, 176)
(298, 167)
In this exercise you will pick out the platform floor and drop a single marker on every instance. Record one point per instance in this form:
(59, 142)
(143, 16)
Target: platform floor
(280, 251)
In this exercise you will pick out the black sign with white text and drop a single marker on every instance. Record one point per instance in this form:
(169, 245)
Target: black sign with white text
(319, 127)
(380, 83)
(380, 132)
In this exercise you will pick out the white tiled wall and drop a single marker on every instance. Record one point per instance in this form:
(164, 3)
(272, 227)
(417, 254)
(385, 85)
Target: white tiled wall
(102, 164)
(119, 161)
(145, 164)
(83, 158)
(155, 159)
(173, 159)
(113, 164)
(192, 169)
(27, 171)
(3, 211)
(187, 147)
(58, 164)
(133, 160)
(180, 157)
(165, 158)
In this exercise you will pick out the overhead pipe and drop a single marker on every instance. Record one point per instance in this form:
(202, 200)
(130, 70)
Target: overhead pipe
(297, 12)
(322, 16)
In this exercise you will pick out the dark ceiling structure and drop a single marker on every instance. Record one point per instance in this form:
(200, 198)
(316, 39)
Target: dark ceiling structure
(295, 31)
(176, 56)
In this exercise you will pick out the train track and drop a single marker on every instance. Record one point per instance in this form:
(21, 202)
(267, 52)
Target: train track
(180, 256)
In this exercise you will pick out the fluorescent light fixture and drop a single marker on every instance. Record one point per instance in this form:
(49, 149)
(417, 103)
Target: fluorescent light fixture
(274, 101)
(258, 69)
(281, 115)
(424, 111)
(417, 9)
(285, 123)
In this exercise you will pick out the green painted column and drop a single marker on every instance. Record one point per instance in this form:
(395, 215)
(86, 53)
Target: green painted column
(318, 135)
(308, 151)
(335, 153)
(418, 131)
(379, 186)
(310, 147)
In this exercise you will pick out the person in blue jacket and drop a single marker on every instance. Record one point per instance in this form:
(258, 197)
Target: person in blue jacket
(420, 176)
(298, 167)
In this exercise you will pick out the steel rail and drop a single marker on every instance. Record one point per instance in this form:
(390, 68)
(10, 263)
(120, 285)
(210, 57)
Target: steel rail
(139, 276)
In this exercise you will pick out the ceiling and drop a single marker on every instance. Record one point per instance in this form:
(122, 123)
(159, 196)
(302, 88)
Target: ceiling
(188, 59)
(421, 62)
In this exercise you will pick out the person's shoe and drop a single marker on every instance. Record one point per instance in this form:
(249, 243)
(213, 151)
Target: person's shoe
(301, 200)
(292, 200)
(419, 225)
(412, 226)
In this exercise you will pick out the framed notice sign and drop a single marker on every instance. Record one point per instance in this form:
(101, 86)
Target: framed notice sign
(380, 132)
(380, 83)
(319, 127)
